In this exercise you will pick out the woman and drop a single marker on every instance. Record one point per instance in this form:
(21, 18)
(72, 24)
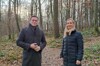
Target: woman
(72, 46)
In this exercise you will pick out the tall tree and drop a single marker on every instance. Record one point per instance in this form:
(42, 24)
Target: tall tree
(74, 10)
(62, 27)
(51, 10)
(55, 20)
(40, 13)
(0, 18)
(99, 11)
(96, 18)
(91, 14)
(47, 9)
(67, 8)
(32, 2)
(16, 14)
(36, 7)
(9, 20)
(0, 10)
(47, 12)
(86, 13)
(80, 14)
(51, 13)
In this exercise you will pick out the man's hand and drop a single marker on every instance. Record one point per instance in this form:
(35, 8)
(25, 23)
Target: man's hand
(37, 48)
(33, 45)
(78, 62)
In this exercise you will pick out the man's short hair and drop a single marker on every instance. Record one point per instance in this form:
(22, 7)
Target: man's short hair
(34, 16)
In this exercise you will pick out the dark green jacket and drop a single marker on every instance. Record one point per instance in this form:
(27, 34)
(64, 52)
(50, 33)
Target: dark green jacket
(72, 49)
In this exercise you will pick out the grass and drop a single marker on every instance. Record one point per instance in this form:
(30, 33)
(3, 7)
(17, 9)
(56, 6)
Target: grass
(92, 55)
(54, 43)
(2, 54)
(92, 51)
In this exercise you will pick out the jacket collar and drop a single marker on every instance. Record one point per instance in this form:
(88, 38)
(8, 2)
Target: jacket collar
(73, 31)
(33, 27)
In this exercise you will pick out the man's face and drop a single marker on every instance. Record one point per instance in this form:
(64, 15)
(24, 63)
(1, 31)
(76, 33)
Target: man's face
(34, 21)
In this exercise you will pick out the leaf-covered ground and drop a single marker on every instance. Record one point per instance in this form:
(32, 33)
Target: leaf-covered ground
(11, 55)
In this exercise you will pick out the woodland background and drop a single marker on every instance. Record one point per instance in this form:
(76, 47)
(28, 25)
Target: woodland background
(15, 14)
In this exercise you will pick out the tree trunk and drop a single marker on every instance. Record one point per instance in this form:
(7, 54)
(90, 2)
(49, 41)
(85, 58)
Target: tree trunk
(99, 12)
(16, 14)
(74, 10)
(79, 17)
(31, 7)
(36, 7)
(91, 15)
(96, 17)
(40, 14)
(0, 10)
(51, 14)
(62, 27)
(9, 20)
(56, 24)
(48, 18)
(68, 9)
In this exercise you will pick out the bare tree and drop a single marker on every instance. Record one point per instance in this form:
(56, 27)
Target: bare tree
(96, 17)
(32, 2)
(40, 13)
(16, 14)
(99, 11)
(47, 9)
(56, 24)
(9, 20)
(74, 10)
(62, 27)
(0, 10)
(36, 6)
(51, 13)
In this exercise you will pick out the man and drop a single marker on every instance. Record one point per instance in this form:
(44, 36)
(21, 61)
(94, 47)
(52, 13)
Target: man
(32, 40)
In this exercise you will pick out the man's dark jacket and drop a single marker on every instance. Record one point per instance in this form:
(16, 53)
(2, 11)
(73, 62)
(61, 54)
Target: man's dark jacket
(27, 36)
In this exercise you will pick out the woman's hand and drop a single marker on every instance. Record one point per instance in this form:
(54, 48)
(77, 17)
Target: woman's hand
(78, 62)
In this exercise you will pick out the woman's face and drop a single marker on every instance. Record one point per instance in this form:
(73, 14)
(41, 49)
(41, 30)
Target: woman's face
(69, 24)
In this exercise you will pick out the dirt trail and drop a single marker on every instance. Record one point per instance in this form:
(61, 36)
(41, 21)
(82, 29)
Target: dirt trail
(51, 57)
